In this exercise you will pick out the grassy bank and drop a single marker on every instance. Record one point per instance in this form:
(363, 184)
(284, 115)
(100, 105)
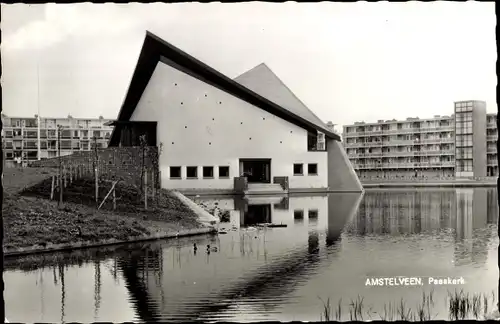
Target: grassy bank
(32, 220)
(460, 306)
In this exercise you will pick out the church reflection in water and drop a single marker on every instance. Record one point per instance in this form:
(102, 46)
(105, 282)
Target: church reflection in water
(271, 264)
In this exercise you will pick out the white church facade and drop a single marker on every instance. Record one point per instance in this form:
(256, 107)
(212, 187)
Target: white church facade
(220, 134)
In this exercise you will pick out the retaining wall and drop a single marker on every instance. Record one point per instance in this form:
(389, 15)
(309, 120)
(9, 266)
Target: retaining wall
(114, 163)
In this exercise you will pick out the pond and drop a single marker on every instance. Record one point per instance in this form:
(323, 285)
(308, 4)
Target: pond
(330, 246)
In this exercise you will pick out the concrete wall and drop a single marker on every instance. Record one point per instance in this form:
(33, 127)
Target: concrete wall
(201, 125)
(123, 163)
(479, 139)
(341, 174)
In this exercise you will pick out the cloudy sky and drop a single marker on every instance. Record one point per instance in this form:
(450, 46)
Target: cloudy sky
(347, 61)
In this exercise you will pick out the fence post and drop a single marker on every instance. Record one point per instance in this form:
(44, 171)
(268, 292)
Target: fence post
(114, 198)
(52, 188)
(153, 186)
(146, 190)
(60, 188)
(96, 185)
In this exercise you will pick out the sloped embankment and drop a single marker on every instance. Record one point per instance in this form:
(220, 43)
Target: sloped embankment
(34, 222)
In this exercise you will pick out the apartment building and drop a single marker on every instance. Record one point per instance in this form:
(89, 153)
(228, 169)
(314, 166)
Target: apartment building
(20, 137)
(491, 145)
(460, 145)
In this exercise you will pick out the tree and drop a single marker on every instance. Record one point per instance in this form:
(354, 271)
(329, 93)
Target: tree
(59, 130)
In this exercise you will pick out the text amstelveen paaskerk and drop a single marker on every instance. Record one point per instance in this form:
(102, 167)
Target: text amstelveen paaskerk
(414, 281)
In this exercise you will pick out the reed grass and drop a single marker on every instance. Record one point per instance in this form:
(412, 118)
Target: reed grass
(460, 305)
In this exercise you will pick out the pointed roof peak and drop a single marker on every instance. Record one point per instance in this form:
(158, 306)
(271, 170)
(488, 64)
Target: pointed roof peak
(263, 81)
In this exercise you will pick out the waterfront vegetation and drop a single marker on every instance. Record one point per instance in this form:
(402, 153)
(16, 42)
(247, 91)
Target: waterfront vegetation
(32, 220)
(460, 305)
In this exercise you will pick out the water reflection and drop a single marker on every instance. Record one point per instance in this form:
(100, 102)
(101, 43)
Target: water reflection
(247, 279)
(331, 243)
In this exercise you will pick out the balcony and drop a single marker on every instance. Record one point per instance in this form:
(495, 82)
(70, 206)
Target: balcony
(492, 137)
(354, 144)
(397, 143)
(435, 152)
(404, 165)
(372, 144)
(435, 140)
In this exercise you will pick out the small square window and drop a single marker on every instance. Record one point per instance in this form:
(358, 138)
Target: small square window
(208, 172)
(312, 169)
(298, 214)
(223, 172)
(175, 172)
(192, 172)
(313, 214)
(298, 169)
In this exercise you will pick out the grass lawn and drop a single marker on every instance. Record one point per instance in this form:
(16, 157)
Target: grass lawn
(32, 219)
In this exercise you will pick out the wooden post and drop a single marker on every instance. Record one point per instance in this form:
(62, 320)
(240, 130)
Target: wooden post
(96, 186)
(153, 186)
(114, 198)
(60, 188)
(52, 188)
(145, 190)
(64, 176)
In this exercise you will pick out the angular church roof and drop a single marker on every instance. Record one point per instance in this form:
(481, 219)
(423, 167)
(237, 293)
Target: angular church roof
(155, 49)
(262, 80)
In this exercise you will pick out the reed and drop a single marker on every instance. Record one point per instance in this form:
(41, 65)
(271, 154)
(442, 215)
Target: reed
(461, 306)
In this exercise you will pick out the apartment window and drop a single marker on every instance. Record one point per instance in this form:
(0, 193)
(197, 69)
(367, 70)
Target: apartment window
(192, 172)
(208, 172)
(75, 134)
(312, 169)
(65, 144)
(175, 172)
(298, 169)
(223, 172)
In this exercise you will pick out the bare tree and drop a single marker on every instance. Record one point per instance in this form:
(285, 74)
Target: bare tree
(59, 130)
(143, 145)
(96, 165)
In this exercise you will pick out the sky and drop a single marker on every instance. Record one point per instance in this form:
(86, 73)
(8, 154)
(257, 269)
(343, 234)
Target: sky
(347, 62)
